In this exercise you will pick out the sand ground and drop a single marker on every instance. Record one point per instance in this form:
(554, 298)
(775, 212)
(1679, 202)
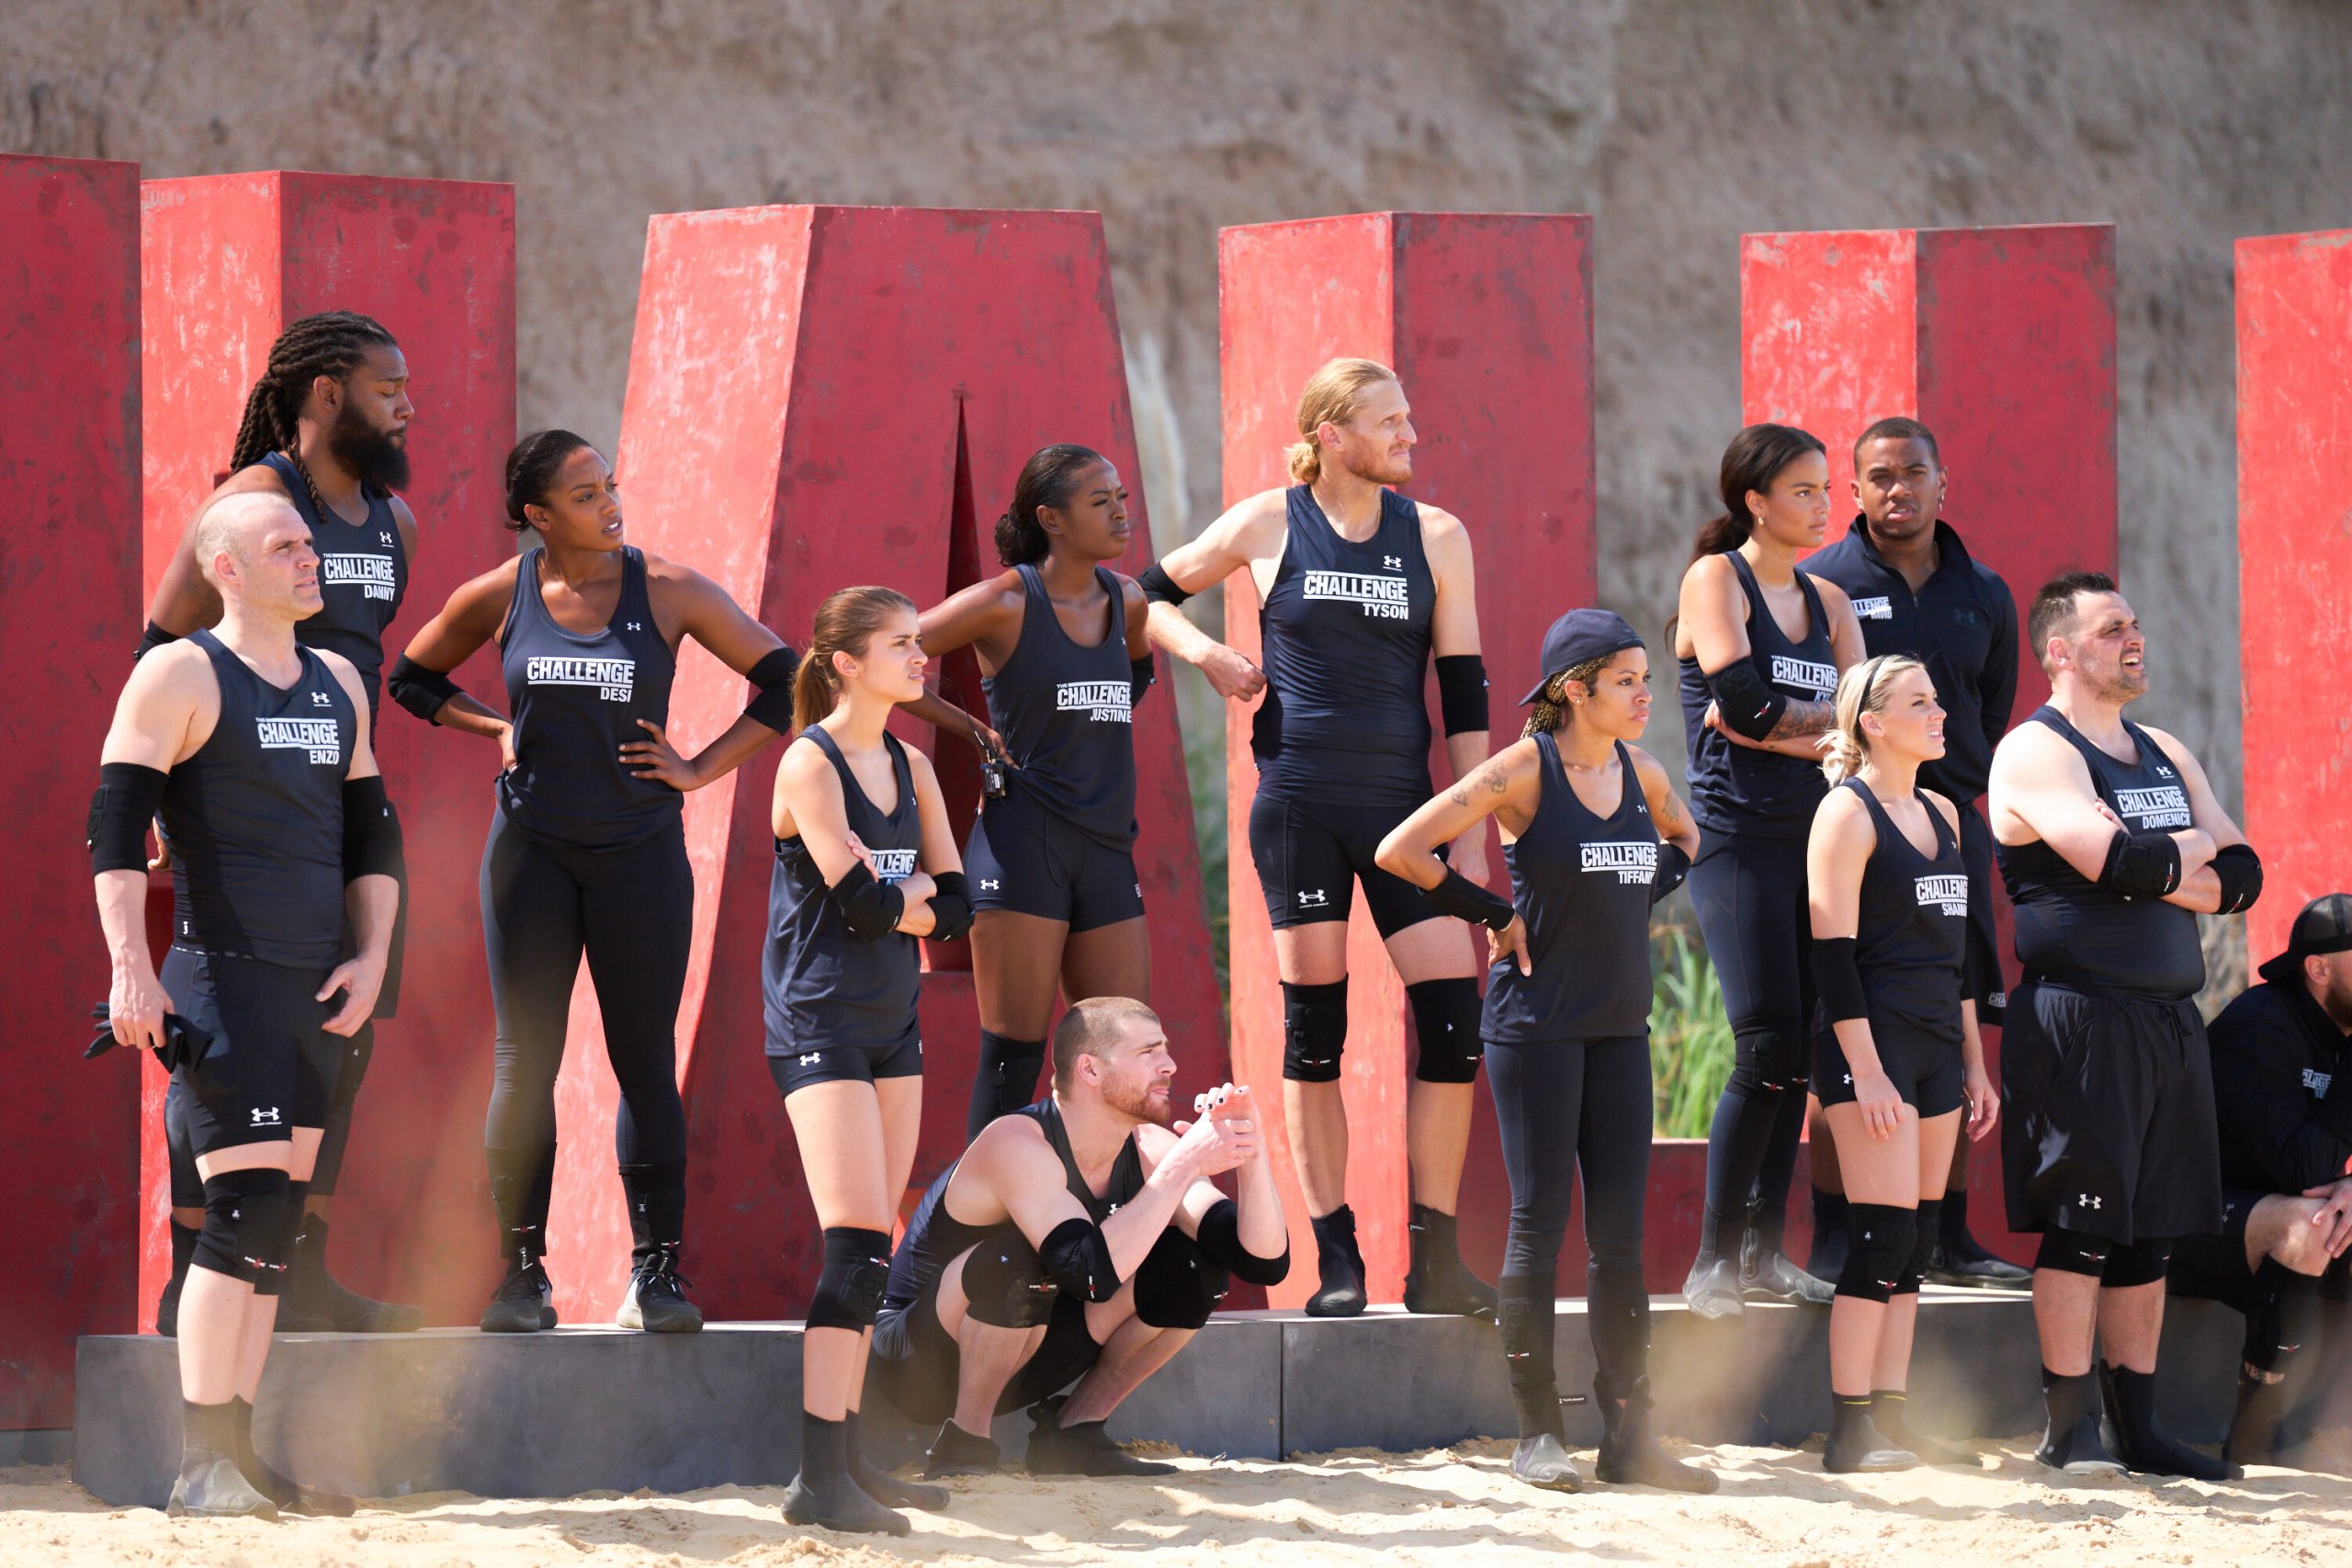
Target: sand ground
(1456, 1506)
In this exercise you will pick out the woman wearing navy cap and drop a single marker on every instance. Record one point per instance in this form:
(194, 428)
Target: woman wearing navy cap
(1594, 835)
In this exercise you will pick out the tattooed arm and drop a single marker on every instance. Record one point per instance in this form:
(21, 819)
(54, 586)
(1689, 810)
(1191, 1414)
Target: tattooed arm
(1505, 787)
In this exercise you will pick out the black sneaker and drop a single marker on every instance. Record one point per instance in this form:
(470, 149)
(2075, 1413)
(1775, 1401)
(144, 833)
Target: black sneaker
(525, 1303)
(1340, 1264)
(290, 1495)
(958, 1452)
(215, 1489)
(1970, 1268)
(2078, 1450)
(1083, 1449)
(1630, 1453)
(1436, 1281)
(655, 1303)
(314, 1302)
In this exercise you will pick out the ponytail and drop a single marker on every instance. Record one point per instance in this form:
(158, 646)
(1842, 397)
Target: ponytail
(1553, 707)
(847, 619)
(1863, 688)
(1752, 461)
(1330, 397)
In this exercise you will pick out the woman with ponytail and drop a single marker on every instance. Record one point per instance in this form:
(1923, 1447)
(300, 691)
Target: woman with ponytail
(1759, 645)
(1895, 1050)
(864, 863)
(1060, 637)
(1593, 835)
(587, 848)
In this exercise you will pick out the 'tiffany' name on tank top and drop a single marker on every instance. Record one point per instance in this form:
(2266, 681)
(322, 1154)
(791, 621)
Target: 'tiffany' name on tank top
(1739, 789)
(1065, 712)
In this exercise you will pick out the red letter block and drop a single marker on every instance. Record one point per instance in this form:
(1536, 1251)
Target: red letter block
(2002, 342)
(69, 613)
(1488, 322)
(821, 396)
(228, 262)
(2295, 569)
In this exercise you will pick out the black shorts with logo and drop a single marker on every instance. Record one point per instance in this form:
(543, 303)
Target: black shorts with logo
(915, 1362)
(847, 1063)
(272, 1066)
(1021, 859)
(1310, 854)
(1924, 1068)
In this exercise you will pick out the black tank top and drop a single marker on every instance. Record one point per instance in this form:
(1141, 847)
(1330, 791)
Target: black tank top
(1582, 883)
(935, 1236)
(1738, 789)
(1346, 646)
(574, 699)
(1064, 713)
(256, 817)
(2073, 930)
(363, 577)
(824, 985)
(1913, 924)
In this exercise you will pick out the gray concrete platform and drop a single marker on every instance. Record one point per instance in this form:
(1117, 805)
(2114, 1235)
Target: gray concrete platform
(593, 1409)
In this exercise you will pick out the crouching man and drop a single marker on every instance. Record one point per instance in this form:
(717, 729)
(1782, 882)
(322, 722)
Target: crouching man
(1080, 1238)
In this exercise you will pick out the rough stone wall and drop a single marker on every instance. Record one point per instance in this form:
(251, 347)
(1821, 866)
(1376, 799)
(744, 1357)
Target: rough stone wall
(1678, 123)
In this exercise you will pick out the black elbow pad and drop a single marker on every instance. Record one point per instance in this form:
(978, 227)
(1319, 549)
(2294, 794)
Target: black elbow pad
(1673, 865)
(772, 704)
(371, 832)
(1837, 978)
(1462, 692)
(2240, 871)
(123, 805)
(1466, 900)
(1079, 1261)
(1220, 1243)
(2141, 866)
(1159, 587)
(420, 691)
(1140, 675)
(870, 908)
(1749, 705)
(951, 906)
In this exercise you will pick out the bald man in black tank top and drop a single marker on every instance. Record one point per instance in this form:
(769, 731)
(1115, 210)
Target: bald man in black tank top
(2111, 844)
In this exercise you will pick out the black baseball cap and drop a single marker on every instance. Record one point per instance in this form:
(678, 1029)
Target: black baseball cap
(2324, 926)
(1578, 636)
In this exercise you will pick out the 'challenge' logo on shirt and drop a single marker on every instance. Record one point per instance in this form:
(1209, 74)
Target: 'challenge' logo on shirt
(1874, 608)
(372, 575)
(1634, 862)
(1818, 680)
(1109, 702)
(1384, 598)
(1950, 892)
(615, 679)
(892, 865)
(319, 737)
(2167, 806)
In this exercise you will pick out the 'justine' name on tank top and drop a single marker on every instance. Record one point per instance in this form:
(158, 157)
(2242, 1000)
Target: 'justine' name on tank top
(1345, 629)
(1065, 712)
(1740, 789)
(363, 577)
(2071, 930)
(1913, 923)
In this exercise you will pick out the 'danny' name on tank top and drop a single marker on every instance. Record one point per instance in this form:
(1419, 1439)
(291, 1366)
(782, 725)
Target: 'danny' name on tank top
(1739, 789)
(1913, 923)
(2071, 930)
(256, 817)
(1582, 883)
(1065, 712)
(575, 697)
(363, 577)
(1345, 629)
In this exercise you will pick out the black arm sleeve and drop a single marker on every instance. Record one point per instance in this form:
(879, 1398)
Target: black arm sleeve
(420, 691)
(2239, 870)
(1466, 900)
(870, 908)
(951, 906)
(2265, 1111)
(371, 832)
(1462, 692)
(1140, 676)
(2141, 866)
(153, 638)
(1159, 587)
(1673, 865)
(1079, 1261)
(1838, 978)
(125, 803)
(1220, 1243)
(1747, 704)
(772, 704)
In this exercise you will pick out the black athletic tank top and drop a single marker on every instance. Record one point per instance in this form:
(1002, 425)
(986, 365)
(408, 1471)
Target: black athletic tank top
(934, 1238)
(1346, 635)
(256, 817)
(363, 576)
(1914, 924)
(1738, 789)
(1063, 711)
(823, 985)
(1582, 883)
(2073, 930)
(574, 699)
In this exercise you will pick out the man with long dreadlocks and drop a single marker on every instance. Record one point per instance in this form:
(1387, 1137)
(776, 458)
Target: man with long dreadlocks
(326, 428)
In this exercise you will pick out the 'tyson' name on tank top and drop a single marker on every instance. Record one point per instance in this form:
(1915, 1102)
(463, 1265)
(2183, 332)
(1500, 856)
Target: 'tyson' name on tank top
(2071, 930)
(363, 577)
(1913, 924)
(1065, 712)
(1740, 789)
(1345, 630)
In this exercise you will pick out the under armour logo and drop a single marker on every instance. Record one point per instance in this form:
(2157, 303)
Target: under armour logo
(1315, 898)
(2087, 1201)
(635, 628)
(2164, 773)
(1393, 563)
(810, 1058)
(266, 1116)
(320, 700)
(1848, 1079)
(383, 537)
(989, 884)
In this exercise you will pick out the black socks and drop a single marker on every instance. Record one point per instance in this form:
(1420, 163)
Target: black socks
(520, 1181)
(1525, 1314)
(656, 1195)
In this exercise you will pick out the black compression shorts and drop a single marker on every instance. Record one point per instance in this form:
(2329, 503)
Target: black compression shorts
(1311, 855)
(1927, 1071)
(915, 1362)
(847, 1063)
(1043, 866)
(271, 1067)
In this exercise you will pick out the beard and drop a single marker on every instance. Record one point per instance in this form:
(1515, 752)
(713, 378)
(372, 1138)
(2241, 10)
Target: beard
(377, 456)
(1135, 1101)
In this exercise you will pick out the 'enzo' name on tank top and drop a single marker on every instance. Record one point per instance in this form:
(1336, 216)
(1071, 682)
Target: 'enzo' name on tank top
(615, 678)
(1383, 597)
(317, 736)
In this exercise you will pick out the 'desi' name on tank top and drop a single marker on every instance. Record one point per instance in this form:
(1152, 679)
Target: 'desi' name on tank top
(615, 679)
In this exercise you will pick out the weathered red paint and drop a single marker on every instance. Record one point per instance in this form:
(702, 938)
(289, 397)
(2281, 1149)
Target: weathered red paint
(802, 382)
(69, 587)
(1488, 322)
(229, 261)
(2294, 296)
(2002, 342)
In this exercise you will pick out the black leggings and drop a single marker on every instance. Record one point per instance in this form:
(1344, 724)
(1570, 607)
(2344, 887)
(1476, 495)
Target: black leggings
(1562, 1106)
(1750, 896)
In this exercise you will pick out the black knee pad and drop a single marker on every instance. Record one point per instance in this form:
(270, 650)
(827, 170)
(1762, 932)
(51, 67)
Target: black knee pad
(1005, 1284)
(1770, 1058)
(1315, 1030)
(1445, 1022)
(2141, 1262)
(849, 1289)
(247, 1228)
(2074, 1252)
(1923, 1249)
(1883, 1238)
(1177, 1287)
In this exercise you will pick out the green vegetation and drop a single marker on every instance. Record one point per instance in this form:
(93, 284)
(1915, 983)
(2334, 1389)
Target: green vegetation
(1690, 1045)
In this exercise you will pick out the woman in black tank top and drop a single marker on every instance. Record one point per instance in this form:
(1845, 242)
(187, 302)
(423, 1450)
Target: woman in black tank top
(1897, 1049)
(1062, 655)
(1594, 835)
(586, 855)
(1759, 645)
(855, 1100)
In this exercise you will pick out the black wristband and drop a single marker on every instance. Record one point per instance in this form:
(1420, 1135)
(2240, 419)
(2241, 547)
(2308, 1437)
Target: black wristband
(870, 908)
(1673, 865)
(1462, 692)
(125, 803)
(772, 704)
(1465, 900)
(2239, 870)
(1159, 587)
(1837, 978)
(1140, 675)
(951, 906)
(2141, 866)
(423, 691)
(371, 832)
(1749, 706)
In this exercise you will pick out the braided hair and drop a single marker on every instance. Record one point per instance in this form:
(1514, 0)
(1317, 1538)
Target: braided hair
(1552, 704)
(331, 343)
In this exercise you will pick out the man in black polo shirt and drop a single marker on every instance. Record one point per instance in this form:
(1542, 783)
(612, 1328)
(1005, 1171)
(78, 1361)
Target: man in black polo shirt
(1917, 591)
(2281, 1053)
